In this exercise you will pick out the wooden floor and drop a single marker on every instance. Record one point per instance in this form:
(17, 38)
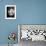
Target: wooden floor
(9, 45)
(30, 43)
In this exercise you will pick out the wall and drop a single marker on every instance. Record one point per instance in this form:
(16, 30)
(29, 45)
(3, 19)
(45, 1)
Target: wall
(31, 11)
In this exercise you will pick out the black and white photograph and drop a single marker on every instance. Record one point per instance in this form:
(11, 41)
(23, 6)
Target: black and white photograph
(10, 12)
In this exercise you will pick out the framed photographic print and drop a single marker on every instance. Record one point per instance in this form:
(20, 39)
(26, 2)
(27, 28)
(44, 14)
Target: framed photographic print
(10, 12)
